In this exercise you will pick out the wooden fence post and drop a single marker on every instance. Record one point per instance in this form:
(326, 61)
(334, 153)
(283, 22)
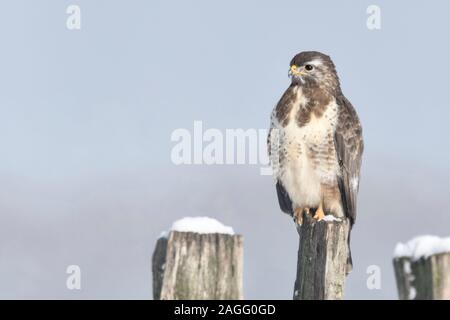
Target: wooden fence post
(322, 260)
(426, 278)
(194, 266)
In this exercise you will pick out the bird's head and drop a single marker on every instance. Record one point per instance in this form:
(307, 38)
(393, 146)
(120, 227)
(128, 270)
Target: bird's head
(314, 69)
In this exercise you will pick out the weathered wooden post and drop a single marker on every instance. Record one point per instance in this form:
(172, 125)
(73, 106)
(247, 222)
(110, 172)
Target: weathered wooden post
(199, 259)
(422, 268)
(322, 259)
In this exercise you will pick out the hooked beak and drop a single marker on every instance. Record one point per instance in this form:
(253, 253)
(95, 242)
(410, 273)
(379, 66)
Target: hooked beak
(296, 71)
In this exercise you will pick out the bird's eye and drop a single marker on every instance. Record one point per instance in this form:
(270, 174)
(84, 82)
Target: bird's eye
(309, 67)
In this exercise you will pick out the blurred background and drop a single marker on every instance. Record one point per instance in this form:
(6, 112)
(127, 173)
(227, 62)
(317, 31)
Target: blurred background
(87, 116)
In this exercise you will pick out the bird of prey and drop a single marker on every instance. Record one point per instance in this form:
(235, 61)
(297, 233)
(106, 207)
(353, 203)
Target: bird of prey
(315, 143)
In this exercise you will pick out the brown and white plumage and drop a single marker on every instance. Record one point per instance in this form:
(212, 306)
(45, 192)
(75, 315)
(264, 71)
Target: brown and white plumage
(315, 142)
(349, 148)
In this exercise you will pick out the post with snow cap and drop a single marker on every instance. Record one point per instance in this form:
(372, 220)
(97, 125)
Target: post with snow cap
(422, 268)
(198, 259)
(322, 259)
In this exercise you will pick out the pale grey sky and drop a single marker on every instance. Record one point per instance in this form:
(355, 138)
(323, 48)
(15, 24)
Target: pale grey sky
(86, 118)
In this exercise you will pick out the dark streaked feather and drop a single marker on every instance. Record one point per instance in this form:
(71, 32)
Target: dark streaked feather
(283, 199)
(349, 147)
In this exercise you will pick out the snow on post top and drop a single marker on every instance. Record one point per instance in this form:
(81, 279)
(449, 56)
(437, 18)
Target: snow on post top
(330, 218)
(422, 247)
(202, 225)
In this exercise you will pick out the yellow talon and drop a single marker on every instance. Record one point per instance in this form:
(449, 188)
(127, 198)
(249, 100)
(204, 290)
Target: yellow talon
(298, 215)
(319, 213)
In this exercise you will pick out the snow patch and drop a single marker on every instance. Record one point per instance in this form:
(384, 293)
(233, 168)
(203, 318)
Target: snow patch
(412, 293)
(422, 247)
(410, 279)
(201, 225)
(330, 218)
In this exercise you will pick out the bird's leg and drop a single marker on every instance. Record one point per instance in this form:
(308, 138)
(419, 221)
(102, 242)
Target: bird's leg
(298, 215)
(319, 213)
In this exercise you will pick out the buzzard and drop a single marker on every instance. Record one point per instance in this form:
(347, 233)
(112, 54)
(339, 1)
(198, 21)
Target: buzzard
(315, 143)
